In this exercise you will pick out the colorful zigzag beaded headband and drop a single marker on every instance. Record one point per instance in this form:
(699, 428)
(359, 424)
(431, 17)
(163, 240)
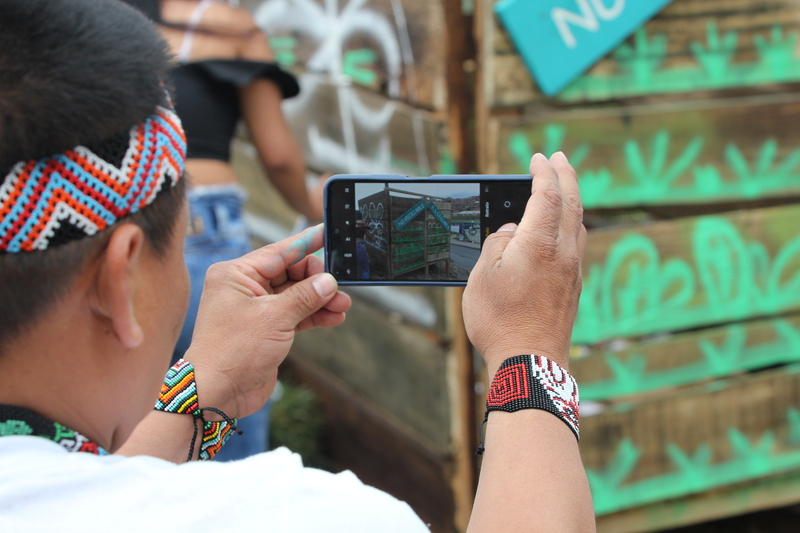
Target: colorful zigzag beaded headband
(75, 194)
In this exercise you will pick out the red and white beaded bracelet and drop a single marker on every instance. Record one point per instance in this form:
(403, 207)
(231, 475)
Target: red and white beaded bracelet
(534, 382)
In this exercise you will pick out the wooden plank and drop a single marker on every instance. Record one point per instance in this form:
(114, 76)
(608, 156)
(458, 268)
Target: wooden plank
(692, 153)
(464, 428)
(396, 368)
(343, 129)
(461, 67)
(706, 438)
(692, 45)
(767, 493)
(396, 47)
(688, 358)
(672, 276)
(380, 450)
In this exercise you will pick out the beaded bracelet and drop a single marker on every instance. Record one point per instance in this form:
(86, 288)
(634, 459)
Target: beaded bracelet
(179, 395)
(533, 382)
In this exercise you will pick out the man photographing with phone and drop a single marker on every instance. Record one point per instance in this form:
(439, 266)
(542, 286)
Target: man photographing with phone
(93, 290)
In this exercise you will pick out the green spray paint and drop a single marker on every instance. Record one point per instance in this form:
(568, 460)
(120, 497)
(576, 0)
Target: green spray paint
(654, 180)
(732, 356)
(285, 50)
(693, 473)
(554, 135)
(636, 293)
(359, 66)
(639, 66)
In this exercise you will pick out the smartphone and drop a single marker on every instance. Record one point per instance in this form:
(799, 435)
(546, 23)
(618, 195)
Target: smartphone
(395, 230)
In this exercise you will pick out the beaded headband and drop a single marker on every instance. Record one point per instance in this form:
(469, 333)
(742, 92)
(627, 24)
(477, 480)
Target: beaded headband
(51, 201)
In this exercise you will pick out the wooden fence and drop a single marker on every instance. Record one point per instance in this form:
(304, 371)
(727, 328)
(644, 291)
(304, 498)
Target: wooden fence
(687, 341)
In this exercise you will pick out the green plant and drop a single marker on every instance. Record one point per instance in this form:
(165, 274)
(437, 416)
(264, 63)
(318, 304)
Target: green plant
(297, 422)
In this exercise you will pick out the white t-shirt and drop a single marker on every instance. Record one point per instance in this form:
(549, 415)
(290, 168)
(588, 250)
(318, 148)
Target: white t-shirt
(43, 487)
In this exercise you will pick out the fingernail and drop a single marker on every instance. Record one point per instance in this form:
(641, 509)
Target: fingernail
(510, 227)
(325, 285)
(539, 156)
(560, 157)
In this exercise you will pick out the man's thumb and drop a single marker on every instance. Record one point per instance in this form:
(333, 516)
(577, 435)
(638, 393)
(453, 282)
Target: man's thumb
(304, 298)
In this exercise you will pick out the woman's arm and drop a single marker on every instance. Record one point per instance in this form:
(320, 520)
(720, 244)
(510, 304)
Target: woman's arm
(274, 141)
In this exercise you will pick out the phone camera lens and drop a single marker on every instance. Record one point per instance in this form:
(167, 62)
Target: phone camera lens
(507, 204)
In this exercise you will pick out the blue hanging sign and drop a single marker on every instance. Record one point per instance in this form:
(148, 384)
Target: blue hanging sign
(560, 39)
(439, 216)
(403, 220)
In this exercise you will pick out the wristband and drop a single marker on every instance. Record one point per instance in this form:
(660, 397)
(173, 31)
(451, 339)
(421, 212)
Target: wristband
(533, 382)
(179, 395)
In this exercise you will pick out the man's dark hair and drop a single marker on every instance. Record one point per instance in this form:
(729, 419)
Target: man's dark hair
(73, 72)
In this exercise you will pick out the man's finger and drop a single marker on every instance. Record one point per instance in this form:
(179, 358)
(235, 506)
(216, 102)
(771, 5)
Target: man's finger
(543, 212)
(322, 319)
(570, 193)
(304, 298)
(495, 244)
(273, 260)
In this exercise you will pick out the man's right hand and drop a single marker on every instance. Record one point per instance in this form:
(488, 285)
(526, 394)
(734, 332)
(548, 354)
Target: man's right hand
(522, 295)
(249, 313)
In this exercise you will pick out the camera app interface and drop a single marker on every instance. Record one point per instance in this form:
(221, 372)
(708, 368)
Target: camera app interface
(418, 232)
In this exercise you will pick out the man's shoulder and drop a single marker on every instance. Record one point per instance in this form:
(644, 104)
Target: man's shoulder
(50, 480)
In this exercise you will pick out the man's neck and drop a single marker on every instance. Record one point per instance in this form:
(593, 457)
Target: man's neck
(53, 369)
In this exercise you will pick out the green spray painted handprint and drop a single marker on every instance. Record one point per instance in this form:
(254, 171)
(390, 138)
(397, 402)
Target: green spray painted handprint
(653, 178)
(751, 459)
(554, 134)
(641, 66)
(733, 354)
(716, 56)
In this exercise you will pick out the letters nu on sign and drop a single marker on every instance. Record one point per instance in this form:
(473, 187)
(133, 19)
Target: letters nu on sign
(587, 18)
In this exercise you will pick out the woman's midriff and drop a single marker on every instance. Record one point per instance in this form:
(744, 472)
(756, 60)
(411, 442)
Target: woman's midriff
(209, 172)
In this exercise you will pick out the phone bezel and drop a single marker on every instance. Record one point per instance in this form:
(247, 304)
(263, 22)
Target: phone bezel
(470, 178)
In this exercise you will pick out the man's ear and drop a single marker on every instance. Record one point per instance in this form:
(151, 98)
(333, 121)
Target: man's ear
(115, 284)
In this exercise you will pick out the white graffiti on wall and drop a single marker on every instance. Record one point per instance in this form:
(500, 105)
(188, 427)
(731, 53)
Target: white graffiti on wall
(373, 216)
(329, 27)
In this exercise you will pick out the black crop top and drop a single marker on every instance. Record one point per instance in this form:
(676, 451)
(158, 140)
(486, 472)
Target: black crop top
(207, 100)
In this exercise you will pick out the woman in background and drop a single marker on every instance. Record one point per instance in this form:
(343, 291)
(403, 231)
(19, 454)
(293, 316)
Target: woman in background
(226, 72)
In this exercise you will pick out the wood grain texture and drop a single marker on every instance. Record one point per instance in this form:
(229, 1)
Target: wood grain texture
(677, 64)
(395, 47)
(668, 363)
(766, 493)
(690, 153)
(705, 438)
(678, 275)
(343, 129)
(390, 365)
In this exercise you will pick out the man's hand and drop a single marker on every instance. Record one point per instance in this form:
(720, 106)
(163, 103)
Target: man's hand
(522, 298)
(249, 313)
(522, 295)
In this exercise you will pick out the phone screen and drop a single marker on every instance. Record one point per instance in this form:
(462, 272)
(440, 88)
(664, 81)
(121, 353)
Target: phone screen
(415, 231)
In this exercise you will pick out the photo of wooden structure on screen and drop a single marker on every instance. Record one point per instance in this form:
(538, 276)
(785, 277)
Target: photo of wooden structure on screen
(409, 234)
